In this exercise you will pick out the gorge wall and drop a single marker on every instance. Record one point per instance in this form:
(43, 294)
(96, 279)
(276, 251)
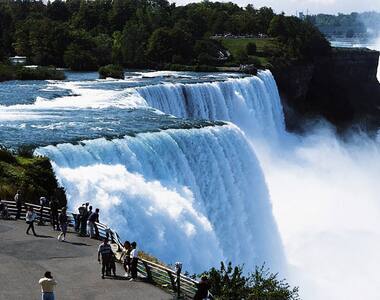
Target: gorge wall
(342, 87)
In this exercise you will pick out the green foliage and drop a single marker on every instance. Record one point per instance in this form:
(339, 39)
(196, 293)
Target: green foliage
(241, 56)
(229, 282)
(40, 73)
(113, 71)
(8, 72)
(299, 39)
(164, 43)
(33, 175)
(251, 48)
(84, 35)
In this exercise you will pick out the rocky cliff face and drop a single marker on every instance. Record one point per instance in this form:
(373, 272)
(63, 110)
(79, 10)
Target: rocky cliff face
(342, 87)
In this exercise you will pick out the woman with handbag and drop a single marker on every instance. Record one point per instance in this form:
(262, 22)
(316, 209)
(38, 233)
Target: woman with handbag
(30, 217)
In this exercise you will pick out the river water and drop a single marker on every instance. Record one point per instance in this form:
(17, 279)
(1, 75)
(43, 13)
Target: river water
(199, 168)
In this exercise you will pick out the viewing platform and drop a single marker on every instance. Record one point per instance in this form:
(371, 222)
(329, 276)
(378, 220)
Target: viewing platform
(73, 263)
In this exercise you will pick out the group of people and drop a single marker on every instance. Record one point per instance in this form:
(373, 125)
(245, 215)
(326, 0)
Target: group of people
(130, 260)
(85, 221)
(107, 258)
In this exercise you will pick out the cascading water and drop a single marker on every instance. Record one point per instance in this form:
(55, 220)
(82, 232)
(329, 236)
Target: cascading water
(252, 103)
(202, 189)
(196, 195)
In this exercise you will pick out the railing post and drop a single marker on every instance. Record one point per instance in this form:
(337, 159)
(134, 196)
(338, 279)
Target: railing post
(178, 267)
(148, 271)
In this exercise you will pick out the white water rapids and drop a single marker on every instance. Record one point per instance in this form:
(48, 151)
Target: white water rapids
(201, 195)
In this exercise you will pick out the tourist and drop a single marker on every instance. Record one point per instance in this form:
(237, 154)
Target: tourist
(18, 200)
(202, 291)
(47, 286)
(63, 220)
(54, 214)
(4, 213)
(127, 258)
(83, 220)
(92, 220)
(88, 215)
(43, 202)
(112, 264)
(105, 252)
(78, 217)
(134, 261)
(30, 218)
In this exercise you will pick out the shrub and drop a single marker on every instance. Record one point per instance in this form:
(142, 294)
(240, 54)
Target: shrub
(251, 48)
(230, 283)
(6, 73)
(177, 59)
(241, 56)
(113, 71)
(39, 73)
(205, 59)
(6, 155)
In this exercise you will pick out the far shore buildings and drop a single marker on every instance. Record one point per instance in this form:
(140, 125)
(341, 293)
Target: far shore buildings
(18, 60)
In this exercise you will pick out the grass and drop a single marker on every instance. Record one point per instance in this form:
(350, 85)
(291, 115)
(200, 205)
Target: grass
(234, 46)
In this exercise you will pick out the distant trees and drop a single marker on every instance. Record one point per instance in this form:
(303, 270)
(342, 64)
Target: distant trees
(85, 35)
(300, 39)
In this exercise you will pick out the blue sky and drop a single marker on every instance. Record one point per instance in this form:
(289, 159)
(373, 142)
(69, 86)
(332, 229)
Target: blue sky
(314, 6)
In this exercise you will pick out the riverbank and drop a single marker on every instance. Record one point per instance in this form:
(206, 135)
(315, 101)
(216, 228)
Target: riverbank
(10, 72)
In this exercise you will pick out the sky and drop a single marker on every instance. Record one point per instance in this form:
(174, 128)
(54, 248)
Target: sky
(314, 6)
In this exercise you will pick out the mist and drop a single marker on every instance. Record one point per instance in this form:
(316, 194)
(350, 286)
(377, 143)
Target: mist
(326, 203)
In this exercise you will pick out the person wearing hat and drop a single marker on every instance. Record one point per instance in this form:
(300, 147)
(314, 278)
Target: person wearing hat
(47, 284)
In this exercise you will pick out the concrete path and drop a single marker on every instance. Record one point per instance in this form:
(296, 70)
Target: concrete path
(25, 258)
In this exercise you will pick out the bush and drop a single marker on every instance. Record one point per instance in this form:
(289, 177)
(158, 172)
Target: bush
(7, 73)
(251, 48)
(177, 59)
(241, 56)
(39, 73)
(229, 283)
(113, 71)
(205, 59)
(6, 155)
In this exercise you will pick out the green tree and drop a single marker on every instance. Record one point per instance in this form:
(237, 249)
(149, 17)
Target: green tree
(251, 48)
(229, 282)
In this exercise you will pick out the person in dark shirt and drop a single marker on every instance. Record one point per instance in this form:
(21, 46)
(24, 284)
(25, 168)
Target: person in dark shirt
(105, 251)
(202, 291)
(63, 221)
(54, 214)
(83, 220)
(92, 220)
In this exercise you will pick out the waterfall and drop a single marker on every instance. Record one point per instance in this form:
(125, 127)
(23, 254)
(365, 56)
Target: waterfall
(252, 103)
(195, 195)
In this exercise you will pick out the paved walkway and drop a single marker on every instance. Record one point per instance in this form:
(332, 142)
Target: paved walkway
(25, 258)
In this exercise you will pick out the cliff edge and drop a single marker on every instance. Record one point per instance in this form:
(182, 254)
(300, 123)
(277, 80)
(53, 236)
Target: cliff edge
(342, 87)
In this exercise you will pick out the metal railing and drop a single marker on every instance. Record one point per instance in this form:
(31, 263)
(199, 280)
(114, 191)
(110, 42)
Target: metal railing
(183, 286)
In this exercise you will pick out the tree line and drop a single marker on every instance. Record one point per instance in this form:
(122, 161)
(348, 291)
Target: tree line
(84, 34)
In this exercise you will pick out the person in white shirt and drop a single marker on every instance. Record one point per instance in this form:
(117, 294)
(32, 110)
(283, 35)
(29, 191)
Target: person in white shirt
(47, 286)
(134, 261)
(30, 217)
